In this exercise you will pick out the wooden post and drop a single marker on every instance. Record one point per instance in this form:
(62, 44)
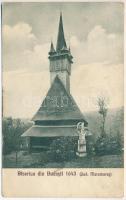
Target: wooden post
(29, 144)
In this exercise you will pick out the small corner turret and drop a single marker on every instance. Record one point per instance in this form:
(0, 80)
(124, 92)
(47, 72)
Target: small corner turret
(52, 50)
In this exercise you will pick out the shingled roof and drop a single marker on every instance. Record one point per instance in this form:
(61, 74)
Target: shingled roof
(58, 105)
(52, 131)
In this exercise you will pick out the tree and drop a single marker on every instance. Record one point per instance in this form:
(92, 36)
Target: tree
(7, 129)
(17, 137)
(12, 130)
(102, 105)
(119, 140)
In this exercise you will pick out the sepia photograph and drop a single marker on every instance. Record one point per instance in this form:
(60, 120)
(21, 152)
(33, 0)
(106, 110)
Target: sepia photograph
(62, 90)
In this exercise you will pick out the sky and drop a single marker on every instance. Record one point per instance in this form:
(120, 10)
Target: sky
(94, 32)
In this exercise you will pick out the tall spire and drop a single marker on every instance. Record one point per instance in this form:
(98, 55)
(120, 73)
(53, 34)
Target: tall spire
(61, 43)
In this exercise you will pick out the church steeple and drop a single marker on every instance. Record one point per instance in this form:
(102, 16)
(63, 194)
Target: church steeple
(60, 59)
(61, 43)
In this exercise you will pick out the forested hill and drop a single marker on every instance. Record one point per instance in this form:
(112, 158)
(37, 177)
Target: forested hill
(114, 121)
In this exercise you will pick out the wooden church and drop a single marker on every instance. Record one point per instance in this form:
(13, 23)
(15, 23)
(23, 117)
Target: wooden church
(58, 114)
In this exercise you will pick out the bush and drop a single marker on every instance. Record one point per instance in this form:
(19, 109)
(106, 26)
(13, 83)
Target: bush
(90, 145)
(63, 149)
(107, 145)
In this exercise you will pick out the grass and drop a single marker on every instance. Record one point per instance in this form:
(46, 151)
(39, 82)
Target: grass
(39, 160)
